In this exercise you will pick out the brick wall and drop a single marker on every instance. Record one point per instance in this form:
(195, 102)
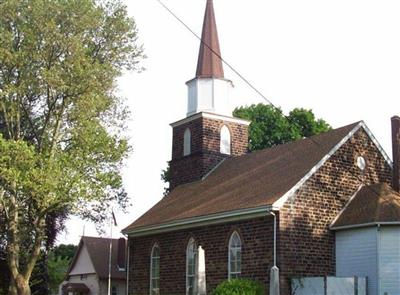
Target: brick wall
(306, 245)
(205, 147)
(256, 255)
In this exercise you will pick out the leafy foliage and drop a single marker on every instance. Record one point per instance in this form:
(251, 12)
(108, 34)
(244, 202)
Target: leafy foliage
(166, 177)
(239, 287)
(57, 268)
(58, 262)
(269, 127)
(61, 123)
(64, 251)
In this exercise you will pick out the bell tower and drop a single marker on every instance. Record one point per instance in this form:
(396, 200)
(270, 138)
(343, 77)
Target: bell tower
(209, 133)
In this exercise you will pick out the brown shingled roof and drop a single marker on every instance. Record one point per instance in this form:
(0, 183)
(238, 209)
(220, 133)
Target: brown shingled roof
(250, 181)
(376, 203)
(99, 249)
(209, 64)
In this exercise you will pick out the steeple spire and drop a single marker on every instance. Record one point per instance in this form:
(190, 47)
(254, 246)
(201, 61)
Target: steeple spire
(209, 90)
(209, 64)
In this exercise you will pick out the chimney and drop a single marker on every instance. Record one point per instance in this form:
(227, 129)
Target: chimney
(396, 152)
(121, 261)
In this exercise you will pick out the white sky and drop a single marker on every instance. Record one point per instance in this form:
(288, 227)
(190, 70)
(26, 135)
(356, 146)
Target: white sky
(340, 58)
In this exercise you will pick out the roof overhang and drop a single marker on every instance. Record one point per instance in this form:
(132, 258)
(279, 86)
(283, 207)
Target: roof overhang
(368, 224)
(208, 77)
(210, 219)
(211, 116)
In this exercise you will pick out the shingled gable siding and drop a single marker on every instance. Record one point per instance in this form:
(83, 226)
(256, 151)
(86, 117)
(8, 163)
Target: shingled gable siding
(257, 259)
(306, 245)
(205, 148)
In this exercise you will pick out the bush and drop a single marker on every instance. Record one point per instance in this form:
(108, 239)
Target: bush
(239, 287)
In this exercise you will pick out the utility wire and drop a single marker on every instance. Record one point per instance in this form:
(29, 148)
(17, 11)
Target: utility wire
(233, 69)
(249, 83)
(220, 57)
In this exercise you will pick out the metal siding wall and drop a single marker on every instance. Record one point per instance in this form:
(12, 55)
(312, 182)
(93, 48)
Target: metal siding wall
(356, 255)
(389, 260)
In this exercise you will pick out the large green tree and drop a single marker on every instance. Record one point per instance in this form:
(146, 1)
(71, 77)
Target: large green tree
(269, 126)
(61, 122)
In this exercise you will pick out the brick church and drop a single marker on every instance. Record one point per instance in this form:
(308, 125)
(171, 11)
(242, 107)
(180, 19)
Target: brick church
(217, 222)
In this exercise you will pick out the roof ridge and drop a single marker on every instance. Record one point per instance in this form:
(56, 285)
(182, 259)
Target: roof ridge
(297, 140)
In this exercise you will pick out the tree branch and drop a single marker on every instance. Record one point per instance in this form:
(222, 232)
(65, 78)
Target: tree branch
(39, 234)
(57, 127)
(12, 243)
(3, 206)
(8, 127)
(29, 121)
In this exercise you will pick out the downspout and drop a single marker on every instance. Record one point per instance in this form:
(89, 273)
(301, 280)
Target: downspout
(127, 264)
(378, 258)
(274, 274)
(127, 270)
(274, 215)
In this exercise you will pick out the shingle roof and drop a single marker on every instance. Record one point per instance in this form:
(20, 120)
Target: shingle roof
(376, 203)
(250, 181)
(99, 249)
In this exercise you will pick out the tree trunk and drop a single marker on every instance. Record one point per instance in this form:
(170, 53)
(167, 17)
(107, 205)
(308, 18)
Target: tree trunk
(19, 287)
(23, 286)
(12, 288)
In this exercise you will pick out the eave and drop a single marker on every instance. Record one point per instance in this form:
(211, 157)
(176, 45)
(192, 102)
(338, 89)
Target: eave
(210, 116)
(204, 220)
(367, 224)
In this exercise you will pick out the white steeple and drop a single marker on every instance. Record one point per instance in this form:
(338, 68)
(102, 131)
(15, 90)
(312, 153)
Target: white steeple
(209, 90)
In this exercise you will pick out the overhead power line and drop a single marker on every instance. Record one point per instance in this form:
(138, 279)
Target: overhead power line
(249, 83)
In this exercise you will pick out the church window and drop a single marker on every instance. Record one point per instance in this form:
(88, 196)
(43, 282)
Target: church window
(191, 267)
(235, 256)
(225, 141)
(187, 142)
(155, 271)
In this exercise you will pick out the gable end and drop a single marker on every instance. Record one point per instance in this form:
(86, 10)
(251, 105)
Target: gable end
(281, 201)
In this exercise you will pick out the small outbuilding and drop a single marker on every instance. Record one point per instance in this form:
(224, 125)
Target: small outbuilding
(89, 269)
(367, 234)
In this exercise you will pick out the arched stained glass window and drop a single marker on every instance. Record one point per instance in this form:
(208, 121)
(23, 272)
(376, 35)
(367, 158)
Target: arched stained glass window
(225, 141)
(191, 267)
(235, 256)
(155, 271)
(187, 141)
